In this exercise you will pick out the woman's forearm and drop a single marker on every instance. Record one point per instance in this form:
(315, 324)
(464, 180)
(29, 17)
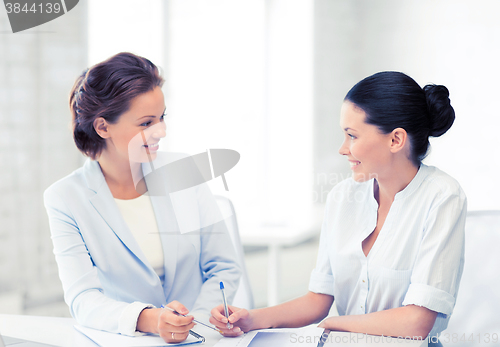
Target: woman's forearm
(412, 321)
(305, 310)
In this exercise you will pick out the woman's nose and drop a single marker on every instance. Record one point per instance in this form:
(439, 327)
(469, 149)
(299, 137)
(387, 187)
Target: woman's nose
(159, 130)
(344, 149)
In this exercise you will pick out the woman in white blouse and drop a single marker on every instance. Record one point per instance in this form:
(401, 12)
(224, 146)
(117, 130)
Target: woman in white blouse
(117, 240)
(392, 242)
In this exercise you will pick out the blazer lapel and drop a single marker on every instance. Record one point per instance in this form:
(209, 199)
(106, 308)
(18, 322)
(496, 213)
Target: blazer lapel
(166, 221)
(105, 205)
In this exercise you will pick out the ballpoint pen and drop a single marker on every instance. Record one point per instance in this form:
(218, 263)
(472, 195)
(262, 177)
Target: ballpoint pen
(226, 312)
(198, 336)
(194, 320)
(323, 337)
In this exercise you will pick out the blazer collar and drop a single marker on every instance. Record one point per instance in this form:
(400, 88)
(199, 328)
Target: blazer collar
(93, 175)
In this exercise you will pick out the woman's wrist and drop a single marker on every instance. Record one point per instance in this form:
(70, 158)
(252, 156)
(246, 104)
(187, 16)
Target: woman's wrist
(259, 319)
(147, 322)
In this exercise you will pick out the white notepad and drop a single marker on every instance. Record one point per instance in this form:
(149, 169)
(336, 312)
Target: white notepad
(105, 339)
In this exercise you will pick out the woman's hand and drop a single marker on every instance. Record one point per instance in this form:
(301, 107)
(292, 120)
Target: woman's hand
(171, 327)
(329, 323)
(240, 320)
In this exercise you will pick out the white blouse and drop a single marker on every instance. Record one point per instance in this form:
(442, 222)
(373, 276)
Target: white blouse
(139, 215)
(417, 258)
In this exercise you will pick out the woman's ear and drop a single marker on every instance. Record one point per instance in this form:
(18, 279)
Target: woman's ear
(398, 137)
(101, 127)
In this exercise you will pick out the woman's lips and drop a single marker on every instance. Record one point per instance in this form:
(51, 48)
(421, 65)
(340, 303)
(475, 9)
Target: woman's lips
(152, 147)
(354, 164)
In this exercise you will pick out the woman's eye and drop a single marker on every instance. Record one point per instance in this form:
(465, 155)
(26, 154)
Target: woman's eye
(148, 123)
(351, 136)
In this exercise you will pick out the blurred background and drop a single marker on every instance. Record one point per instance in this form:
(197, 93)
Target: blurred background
(263, 77)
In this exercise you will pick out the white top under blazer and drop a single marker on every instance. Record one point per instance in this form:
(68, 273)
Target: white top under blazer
(418, 256)
(106, 277)
(140, 217)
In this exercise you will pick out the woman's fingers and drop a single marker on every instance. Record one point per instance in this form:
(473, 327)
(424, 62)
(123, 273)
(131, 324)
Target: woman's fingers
(171, 337)
(237, 317)
(173, 327)
(171, 318)
(218, 314)
(237, 314)
(178, 307)
(232, 331)
(176, 328)
(220, 325)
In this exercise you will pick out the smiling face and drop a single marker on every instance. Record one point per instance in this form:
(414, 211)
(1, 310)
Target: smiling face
(366, 148)
(136, 135)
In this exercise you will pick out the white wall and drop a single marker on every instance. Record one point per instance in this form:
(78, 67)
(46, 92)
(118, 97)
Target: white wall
(240, 77)
(116, 26)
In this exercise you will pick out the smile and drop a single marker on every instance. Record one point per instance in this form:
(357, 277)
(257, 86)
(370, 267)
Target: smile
(354, 163)
(152, 147)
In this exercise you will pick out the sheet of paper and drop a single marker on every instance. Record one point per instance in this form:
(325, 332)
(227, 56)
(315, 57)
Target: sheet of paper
(309, 337)
(105, 339)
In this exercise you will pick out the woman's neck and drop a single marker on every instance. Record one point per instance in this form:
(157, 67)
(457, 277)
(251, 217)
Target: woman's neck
(119, 175)
(389, 185)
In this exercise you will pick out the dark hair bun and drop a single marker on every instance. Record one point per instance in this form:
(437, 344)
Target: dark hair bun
(441, 112)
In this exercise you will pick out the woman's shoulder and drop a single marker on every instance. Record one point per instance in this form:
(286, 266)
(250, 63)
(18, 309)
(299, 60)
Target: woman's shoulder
(77, 181)
(439, 181)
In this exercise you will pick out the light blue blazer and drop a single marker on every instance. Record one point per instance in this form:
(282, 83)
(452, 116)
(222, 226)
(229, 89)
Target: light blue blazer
(102, 268)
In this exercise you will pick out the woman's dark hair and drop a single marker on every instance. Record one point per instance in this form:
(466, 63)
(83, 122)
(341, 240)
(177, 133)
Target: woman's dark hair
(394, 100)
(106, 90)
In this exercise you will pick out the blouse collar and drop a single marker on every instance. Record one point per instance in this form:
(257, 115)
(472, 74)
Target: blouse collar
(415, 182)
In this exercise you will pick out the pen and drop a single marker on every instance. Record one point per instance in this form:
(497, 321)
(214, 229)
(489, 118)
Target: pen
(226, 312)
(198, 336)
(323, 337)
(194, 320)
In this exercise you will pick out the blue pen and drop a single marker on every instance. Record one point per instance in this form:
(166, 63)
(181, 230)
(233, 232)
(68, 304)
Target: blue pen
(226, 312)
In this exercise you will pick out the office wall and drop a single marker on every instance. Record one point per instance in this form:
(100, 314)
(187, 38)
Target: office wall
(240, 76)
(37, 69)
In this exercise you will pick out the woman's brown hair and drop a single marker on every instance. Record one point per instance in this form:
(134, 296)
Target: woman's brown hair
(106, 90)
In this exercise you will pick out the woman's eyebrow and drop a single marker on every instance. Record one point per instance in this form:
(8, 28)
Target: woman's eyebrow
(347, 129)
(154, 115)
(146, 117)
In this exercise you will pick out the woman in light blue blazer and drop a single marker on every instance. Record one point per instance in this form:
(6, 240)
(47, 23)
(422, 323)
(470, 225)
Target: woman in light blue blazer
(118, 245)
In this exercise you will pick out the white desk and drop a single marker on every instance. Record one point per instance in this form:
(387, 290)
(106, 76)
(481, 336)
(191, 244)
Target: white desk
(60, 332)
(275, 238)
